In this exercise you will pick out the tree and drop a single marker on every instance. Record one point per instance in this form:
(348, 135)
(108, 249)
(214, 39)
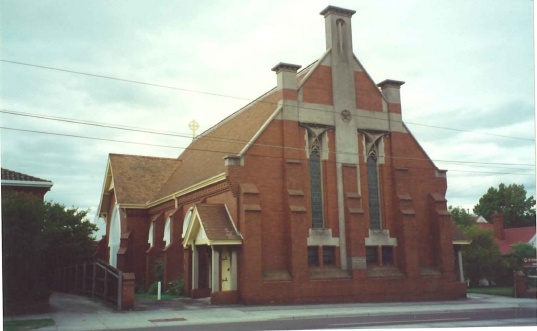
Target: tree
(38, 237)
(23, 247)
(482, 258)
(69, 235)
(521, 251)
(461, 218)
(511, 201)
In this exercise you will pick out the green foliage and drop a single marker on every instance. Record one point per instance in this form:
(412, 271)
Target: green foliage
(482, 258)
(501, 291)
(511, 201)
(27, 324)
(176, 287)
(153, 288)
(520, 251)
(461, 217)
(69, 234)
(159, 269)
(38, 237)
(23, 246)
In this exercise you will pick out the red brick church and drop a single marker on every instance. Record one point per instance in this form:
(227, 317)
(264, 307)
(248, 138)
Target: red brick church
(314, 192)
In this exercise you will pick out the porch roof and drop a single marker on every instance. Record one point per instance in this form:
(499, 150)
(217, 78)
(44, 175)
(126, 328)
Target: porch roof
(211, 224)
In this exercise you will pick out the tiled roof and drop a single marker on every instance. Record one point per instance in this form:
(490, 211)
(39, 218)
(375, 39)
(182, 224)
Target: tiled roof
(204, 158)
(138, 178)
(515, 236)
(512, 236)
(457, 236)
(17, 176)
(216, 222)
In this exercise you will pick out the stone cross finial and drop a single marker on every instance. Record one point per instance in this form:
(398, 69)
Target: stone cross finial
(193, 125)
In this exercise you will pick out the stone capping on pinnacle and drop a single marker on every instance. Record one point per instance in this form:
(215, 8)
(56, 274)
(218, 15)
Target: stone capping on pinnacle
(390, 83)
(337, 10)
(286, 67)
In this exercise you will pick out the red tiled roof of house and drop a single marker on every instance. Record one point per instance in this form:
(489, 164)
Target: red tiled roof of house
(138, 178)
(204, 158)
(486, 225)
(17, 176)
(512, 236)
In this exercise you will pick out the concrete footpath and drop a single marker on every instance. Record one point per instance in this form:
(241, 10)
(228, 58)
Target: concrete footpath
(72, 312)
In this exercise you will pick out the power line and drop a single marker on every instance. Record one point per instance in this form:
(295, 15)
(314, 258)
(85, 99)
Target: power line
(133, 129)
(241, 98)
(228, 152)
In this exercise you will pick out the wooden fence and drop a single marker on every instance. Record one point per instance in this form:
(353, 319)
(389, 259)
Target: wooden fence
(100, 279)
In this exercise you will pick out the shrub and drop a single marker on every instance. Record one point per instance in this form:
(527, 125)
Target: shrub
(153, 288)
(176, 287)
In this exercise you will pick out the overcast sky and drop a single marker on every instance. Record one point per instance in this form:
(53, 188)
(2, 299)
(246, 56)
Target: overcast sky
(468, 68)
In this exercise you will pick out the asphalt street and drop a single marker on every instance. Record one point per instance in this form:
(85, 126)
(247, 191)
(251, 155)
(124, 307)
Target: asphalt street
(72, 312)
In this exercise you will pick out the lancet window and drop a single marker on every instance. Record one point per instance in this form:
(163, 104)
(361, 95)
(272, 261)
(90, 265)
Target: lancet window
(315, 153)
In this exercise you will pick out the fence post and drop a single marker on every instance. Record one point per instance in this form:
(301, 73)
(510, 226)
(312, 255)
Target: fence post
(105, 294)
(119, 289)
(93, 278)
(76, 278)
(127, 291)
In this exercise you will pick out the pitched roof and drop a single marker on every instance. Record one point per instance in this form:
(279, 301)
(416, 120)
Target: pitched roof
(17, 176)
(204, 158)
(138, 178)
(457, 236)
(512, 236)
(12, 178)
(216, 222)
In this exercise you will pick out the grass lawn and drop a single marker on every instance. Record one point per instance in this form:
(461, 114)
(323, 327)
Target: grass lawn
(27, 324)
(154, 296)
(501, 291)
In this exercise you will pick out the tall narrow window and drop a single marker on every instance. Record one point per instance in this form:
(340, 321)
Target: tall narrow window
(316, 190)
(150, 235)
(373, 150)
(114, 236)
(168, 232)
(373, 186)
(315, 135)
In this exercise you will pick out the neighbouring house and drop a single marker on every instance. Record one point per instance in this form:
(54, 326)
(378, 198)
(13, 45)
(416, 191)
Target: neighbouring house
(13, 181)
(506, 238)
(314, 192)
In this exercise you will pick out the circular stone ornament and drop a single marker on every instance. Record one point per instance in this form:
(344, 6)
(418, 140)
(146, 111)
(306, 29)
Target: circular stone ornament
(346, 116)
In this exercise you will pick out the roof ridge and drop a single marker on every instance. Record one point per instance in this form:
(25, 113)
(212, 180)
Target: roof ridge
(234, 114)
(7, 174)
(144, 156)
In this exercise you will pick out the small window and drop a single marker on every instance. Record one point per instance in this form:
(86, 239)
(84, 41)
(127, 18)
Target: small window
(371, 255)
(313, 256)
(387, 255)
(329, 255)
